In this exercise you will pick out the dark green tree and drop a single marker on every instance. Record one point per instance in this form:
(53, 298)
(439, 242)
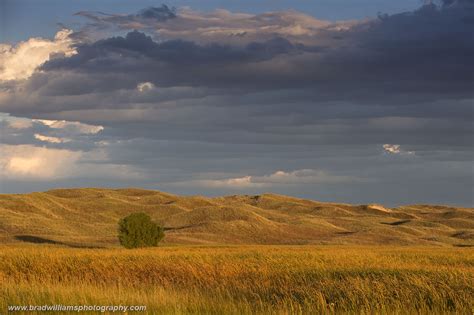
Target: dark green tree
(137, 230)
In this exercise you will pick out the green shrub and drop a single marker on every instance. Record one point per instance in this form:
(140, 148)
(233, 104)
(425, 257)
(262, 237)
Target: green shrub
(137, 230)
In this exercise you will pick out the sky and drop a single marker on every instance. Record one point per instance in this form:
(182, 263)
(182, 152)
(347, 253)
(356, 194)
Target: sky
(370, 102)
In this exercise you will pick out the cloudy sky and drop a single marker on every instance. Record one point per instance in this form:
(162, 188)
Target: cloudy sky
(360, 103)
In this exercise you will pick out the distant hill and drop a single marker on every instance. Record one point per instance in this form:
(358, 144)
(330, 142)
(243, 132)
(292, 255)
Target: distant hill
(89, 216)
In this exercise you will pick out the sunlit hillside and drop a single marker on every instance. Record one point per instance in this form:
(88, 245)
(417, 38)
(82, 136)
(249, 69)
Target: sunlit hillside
(88, 218)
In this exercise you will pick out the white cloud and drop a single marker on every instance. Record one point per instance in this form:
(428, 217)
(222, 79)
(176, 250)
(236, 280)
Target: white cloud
(20, 61)
(74, 125)
(239, 183)
(304, 176)
(30, 162)
(50, 131)
(395, 149)
(145, 86)
(392, 148)
(51, 139)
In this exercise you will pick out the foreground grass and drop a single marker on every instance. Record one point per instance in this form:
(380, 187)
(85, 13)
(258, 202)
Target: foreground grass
(246, 279)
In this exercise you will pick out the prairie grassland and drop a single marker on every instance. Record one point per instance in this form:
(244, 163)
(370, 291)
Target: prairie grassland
(243, 279)
(89, 217)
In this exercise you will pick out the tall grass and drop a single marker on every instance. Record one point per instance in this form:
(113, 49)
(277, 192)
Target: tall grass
(243, 279)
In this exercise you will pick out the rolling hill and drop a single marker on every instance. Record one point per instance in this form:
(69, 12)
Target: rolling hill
(88, 217)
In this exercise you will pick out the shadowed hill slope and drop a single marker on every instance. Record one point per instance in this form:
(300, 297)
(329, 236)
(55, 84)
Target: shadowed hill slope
(88, 217)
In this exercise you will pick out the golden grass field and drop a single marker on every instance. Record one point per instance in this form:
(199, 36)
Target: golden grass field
(265, 254)
(260, 279)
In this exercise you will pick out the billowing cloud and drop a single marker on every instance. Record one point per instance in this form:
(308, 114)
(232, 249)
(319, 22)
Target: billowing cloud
(36, 163)
(33, 163)
(20, 61)
(219, 25)
(371, 61)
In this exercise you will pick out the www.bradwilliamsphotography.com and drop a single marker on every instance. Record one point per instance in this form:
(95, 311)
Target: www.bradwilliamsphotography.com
(236, 157)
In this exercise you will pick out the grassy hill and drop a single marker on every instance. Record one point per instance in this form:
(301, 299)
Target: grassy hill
(88, 217)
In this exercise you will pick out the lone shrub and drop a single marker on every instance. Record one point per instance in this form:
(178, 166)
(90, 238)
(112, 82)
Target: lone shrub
(137, 230)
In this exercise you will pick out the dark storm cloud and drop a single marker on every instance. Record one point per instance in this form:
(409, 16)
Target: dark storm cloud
(169, 62)
(427, 53)
(162, 13)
